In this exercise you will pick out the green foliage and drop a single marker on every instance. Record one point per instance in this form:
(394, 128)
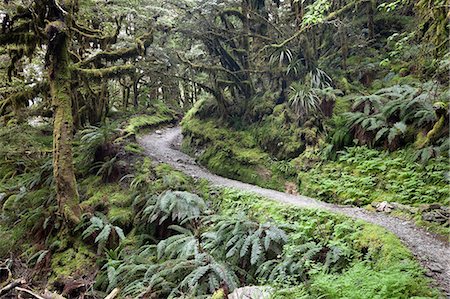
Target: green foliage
(391, 114)
(337, 256)
(362, 175)
(140, 122)
(360, 281)
(246, 240)
(76, 260)
(235, 153)
(96, 149)
(105, 233)
(174, 205)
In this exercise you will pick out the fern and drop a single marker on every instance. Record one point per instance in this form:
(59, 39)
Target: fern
(183, 245)
(242, 238)
(175, 205)
(98, 225)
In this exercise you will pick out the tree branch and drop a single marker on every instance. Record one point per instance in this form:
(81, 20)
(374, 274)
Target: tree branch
(329, 17)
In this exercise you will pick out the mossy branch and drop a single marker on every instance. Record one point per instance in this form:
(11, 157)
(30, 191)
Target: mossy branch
(17, 39)
(106, 73)
(21, 95)
(142, 43)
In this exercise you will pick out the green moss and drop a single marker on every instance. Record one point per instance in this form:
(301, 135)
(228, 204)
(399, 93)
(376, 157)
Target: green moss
(384, 249)
(12, 239)
(140, 122)
(232, 153)
(134, 148)
(380, 265)
(75, 260)
(101, 197)
(122, 217)
(219, 294)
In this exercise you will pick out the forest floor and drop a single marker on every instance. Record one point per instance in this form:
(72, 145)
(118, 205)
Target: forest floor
(430, 250)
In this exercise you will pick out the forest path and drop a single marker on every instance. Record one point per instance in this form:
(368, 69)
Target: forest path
(431, 252)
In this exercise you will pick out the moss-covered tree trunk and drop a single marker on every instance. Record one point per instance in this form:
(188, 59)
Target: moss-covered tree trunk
(59, 78)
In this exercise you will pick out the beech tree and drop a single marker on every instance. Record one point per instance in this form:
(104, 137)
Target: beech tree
(78, 51)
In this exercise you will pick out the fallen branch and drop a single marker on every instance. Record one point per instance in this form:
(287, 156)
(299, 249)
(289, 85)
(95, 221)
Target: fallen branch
(11, 286)
(113, 294)
(29, 293)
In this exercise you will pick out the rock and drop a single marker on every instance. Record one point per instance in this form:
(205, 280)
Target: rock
(159, 132)
(434, 267)
(384, 207)
(253, 292)
(405, 208)
(439, 216)
(429, 207)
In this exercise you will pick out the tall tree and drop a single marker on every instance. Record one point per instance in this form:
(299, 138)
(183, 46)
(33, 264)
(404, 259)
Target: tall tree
(69, 64)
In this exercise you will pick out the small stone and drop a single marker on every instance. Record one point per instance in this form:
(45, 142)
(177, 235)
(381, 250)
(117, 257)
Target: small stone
(435, 206)
(159, 132)
(434, 267)
(384, 207)
(260, 292)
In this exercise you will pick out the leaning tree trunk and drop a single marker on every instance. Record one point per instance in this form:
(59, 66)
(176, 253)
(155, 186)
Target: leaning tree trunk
(59, 78)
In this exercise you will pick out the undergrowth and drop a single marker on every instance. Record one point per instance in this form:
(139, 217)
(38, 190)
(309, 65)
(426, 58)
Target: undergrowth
(361, 176)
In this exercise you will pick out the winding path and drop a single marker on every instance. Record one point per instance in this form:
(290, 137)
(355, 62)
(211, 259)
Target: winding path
(431, 252)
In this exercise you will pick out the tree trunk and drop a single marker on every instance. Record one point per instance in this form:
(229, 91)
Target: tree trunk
(59, 78)
(371, 9)
(136, 80)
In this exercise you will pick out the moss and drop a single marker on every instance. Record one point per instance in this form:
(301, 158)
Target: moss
(384, 249)
(101, 197)
(122, 217)
(233, 153)
(381, 266)
(11, 237)
(219, 294)
(134, 148)
(73, 261)
(140, 122)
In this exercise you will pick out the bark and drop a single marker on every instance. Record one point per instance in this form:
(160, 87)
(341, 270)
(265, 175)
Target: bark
(371, 8)
(60, 90)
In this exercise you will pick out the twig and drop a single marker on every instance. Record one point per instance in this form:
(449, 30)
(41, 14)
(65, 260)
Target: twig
(11, 286)
(113, 294)
(29, 293)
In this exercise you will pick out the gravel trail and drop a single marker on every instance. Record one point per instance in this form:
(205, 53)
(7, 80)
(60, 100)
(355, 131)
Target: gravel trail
(432, 252)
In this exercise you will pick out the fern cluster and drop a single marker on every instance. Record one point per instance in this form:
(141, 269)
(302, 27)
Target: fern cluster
(362, 175)
(391, 117)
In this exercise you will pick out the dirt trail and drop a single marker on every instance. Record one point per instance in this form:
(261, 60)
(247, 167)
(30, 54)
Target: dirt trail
(431, 252)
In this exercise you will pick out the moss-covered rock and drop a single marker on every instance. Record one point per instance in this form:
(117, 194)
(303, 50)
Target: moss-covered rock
(72, 262)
